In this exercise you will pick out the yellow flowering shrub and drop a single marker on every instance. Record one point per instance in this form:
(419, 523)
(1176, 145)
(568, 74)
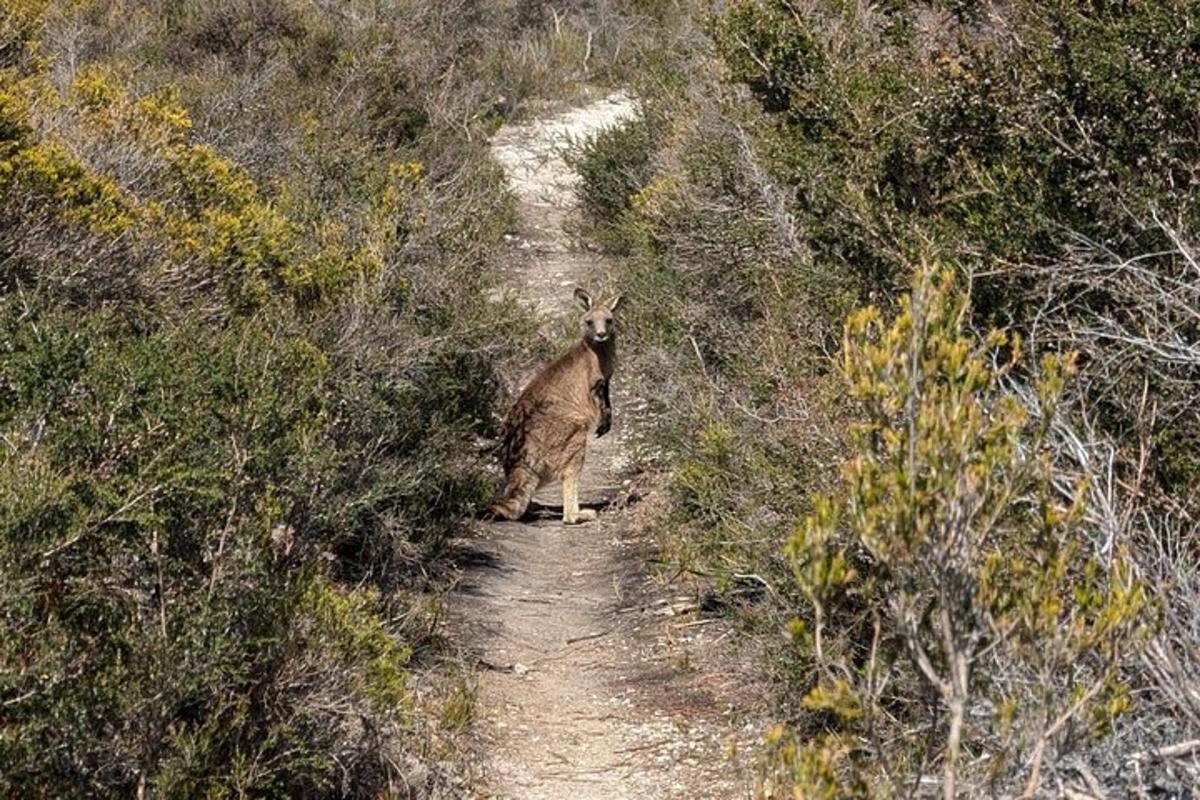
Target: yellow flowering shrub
(20, 25)
(952, 527)
(205, 207)
(78, 195)
(206, 180)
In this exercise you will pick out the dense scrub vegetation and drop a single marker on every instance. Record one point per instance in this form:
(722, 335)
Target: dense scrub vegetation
(997, 593)
(245, 360)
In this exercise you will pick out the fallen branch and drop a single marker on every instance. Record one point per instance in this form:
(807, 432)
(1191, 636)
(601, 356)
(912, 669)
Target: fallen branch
(1169, 751)
(587, 636)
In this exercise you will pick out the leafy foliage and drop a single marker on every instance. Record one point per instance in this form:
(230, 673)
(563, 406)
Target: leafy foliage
(244, 363)
(812, 155)
(993, 139)
(954, 532)
(613, 167)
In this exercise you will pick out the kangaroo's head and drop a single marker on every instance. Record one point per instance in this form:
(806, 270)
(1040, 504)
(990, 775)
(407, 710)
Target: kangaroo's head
(599, 323)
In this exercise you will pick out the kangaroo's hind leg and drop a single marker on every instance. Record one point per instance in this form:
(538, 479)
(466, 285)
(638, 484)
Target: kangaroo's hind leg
(572, 513)
(518, 491)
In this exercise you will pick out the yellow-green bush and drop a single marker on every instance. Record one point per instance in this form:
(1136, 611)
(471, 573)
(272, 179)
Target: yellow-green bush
(983, 589)
(20, 25)
(46, 171)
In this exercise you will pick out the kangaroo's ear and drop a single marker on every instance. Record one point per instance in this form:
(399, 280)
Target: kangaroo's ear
(585, 299)
(616, 304)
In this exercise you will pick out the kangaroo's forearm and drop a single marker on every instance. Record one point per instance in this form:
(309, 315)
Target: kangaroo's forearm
(601, 391)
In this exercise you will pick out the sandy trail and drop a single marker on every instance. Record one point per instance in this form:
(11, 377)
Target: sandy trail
(595, 682)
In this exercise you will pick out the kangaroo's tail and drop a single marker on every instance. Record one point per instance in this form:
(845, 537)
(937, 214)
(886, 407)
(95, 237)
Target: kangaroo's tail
(522, 483)
(512, 438)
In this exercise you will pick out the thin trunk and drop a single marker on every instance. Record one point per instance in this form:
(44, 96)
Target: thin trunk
(956, 698)
(818, 625)
(950, 771)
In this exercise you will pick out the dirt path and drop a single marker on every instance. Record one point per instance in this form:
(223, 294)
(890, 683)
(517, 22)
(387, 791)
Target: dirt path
(595, 682)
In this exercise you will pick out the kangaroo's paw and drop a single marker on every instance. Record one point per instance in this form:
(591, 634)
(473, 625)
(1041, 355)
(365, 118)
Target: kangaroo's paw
(584, 515)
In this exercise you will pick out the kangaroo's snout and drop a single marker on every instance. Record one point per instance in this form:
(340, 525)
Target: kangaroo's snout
(598, 328)
(599, 325)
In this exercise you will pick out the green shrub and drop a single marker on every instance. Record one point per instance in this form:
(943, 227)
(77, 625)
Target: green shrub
(613, 167)
(244, 363)
(149, 605)
(986, 600)
(991, 146)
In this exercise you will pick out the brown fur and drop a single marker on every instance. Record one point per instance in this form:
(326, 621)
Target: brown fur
(546, 432)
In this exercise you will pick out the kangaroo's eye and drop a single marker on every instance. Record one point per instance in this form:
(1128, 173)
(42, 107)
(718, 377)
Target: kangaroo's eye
(608, 321)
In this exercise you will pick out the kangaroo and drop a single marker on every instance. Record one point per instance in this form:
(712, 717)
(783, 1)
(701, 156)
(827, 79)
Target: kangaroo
(546, 432)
